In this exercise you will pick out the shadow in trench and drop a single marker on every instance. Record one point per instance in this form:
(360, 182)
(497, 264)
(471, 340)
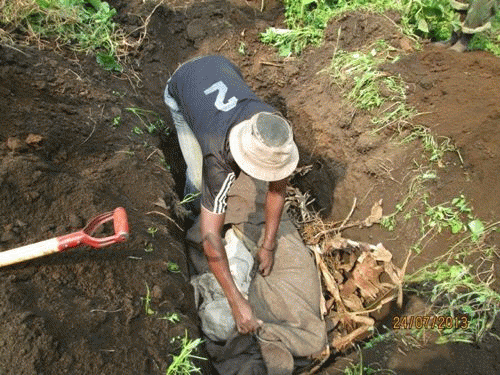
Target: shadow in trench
(324, 173)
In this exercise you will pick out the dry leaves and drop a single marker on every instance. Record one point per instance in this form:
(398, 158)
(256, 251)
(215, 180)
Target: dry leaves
(360, 278)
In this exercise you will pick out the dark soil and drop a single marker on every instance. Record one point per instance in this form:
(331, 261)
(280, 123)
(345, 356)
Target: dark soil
(82, 311)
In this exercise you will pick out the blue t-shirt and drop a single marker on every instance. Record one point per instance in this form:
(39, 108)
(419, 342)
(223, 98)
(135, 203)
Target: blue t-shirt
(213, 97)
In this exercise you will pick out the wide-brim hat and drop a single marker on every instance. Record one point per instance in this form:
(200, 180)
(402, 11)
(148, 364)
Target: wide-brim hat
(263, 147)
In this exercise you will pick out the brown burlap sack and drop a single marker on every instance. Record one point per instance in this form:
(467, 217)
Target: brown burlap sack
(288, 300)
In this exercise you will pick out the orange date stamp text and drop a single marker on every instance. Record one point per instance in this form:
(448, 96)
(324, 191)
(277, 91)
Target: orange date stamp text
(430, 322)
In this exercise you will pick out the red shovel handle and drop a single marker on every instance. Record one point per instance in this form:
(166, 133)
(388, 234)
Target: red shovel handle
(120, 224)
(54, 245)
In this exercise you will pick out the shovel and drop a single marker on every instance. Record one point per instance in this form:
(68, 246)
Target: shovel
(82, 237)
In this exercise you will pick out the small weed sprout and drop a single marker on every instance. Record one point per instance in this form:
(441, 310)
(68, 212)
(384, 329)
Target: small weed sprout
(171, 317)
(147, 302)
(190, 198)
(116, 121)
(149, 248)
(152, 231)
(242, 48)
(173, 267)
(477, 229)
(165, 165)
(150, 120)
(182, 363)
(137, 130)
(360, 369)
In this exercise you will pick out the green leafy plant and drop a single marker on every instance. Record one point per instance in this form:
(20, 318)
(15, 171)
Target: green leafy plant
(477, 229)
(291, 41)
(430, 18)
(108, 62)
(306, 20)
(182, 363)
(414, 193)
(433, 19)
(446, 215)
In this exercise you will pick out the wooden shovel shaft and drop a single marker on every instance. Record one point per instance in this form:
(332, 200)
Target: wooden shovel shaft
(27, 252)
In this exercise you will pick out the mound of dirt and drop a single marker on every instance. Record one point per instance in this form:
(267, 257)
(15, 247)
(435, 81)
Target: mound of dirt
(69, 152)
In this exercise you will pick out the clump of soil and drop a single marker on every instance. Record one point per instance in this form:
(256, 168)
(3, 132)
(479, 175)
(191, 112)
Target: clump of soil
(62, 162)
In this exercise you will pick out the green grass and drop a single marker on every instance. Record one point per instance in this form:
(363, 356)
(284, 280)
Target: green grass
(358, 71)
(435, 147)
(151, 122)
(306, 20)
(84, 26)
(457, 285)
(367, 88)
(361, 369)
(455, 292)
(429, 19)
(172, 317)
(182, 363)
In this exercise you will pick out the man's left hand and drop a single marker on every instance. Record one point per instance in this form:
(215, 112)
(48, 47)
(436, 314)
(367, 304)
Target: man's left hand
(266, 261)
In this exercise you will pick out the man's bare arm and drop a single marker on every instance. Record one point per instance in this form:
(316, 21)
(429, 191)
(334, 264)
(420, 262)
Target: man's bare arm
(211, 228)
(275, 200)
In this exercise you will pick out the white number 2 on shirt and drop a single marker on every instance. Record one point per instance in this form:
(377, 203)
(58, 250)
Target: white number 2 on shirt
(221, 95)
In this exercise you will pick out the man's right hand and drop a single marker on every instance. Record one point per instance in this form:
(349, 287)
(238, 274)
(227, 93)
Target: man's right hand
(244, 318)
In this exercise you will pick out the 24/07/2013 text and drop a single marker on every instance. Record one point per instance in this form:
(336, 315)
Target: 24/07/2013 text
(430, 322)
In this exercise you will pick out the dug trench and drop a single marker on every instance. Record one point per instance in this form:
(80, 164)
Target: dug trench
(70, 150)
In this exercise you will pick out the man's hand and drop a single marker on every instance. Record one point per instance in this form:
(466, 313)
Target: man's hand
(244, 318)
(211, 225)
(266, 261)
(275, 200)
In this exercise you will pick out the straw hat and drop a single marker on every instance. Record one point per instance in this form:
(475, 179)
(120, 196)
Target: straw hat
(263, 147)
